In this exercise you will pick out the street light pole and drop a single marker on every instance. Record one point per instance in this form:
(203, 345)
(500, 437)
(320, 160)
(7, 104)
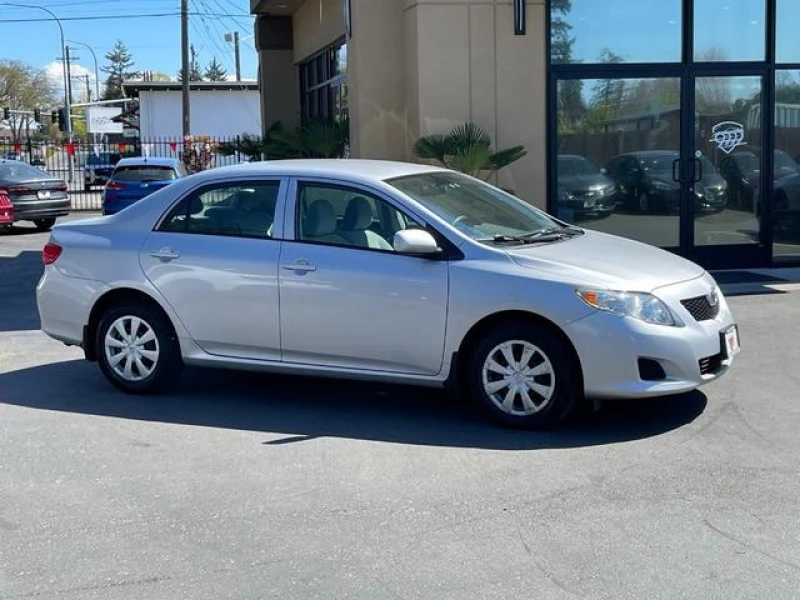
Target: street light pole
(187, 129)
(67, 106)
(96, 70)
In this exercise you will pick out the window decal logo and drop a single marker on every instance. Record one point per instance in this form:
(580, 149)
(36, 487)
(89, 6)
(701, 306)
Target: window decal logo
(728, 135)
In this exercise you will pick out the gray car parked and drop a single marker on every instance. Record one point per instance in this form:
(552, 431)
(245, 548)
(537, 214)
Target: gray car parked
(381, 271)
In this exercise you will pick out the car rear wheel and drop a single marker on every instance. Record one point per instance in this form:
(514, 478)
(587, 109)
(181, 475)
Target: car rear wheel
(137, 348)
(523, 376)
(44, 224)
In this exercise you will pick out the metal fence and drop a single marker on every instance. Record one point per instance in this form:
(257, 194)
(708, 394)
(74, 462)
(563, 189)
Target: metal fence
(82, 164)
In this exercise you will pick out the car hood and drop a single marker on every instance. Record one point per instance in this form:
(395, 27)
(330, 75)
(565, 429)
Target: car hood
(599, 259)
(584, 182)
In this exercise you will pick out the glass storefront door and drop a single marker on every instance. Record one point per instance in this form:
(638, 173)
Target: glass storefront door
(665, 134)
(618, 161)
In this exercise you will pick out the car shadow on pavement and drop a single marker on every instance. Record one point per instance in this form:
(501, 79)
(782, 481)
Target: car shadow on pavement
(18, 278)
(305, 408)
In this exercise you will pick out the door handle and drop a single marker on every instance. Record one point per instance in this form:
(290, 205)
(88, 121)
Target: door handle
(166, 254)
(301, 266)
(698, 171)
(676, 170)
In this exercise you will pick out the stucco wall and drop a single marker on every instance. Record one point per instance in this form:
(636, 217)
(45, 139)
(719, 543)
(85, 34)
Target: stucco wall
(317, 23)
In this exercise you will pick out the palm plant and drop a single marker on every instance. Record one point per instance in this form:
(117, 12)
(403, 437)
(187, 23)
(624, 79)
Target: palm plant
(317, 139)
(467, 149)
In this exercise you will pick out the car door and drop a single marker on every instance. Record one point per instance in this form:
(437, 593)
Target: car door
(214, 258)
(348, 300)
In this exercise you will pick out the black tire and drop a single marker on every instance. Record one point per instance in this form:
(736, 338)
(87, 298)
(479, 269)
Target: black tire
(565, 376)
(169, 363)
(44, 224)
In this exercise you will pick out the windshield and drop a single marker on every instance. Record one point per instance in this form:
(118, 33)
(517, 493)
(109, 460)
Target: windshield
(477, 209)
(658, 162)
(149, 173)
(575, 165)
(20, 171)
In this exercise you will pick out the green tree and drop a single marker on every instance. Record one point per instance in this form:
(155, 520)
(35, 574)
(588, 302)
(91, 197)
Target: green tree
(24, 88)
(215, 71)
(195, 73)
(119, 68)
(561, 41)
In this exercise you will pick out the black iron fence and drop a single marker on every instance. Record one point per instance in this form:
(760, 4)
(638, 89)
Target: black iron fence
(85, 166)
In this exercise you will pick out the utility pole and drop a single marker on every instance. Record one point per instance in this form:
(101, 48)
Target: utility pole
(185, 66)
(88, 88)
(236, 53)
(235, 39)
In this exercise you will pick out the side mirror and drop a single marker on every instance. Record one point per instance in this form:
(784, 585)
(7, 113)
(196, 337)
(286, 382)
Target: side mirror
(415, 241)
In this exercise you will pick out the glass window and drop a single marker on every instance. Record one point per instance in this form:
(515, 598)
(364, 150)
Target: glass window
(788, 16)
(242, 210)
(730, 30)
(786, 198)
(323, 83)
(618, 140)
(142, 173)
(477, 209)
(728, 125)
(342, 216)
(594, 31)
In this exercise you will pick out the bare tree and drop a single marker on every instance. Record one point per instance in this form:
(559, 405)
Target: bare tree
(24, 88)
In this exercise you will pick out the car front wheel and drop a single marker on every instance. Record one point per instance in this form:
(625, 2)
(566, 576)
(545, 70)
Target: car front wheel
(524, 376)
(137, 349)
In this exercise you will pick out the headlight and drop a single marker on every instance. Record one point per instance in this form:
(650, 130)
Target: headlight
(644, 307)
(661, 185)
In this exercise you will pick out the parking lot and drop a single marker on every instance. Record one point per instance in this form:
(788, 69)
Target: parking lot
(251, 486)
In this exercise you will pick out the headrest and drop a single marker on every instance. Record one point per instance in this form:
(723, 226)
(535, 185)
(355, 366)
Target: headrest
(195, 205)
(320, 219)
(358, 216)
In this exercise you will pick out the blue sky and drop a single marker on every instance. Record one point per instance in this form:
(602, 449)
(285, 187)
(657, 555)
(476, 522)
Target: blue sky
(650, 30)
(154, 42)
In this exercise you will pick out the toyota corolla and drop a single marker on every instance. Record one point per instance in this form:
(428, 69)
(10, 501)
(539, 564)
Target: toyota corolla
(381, 271)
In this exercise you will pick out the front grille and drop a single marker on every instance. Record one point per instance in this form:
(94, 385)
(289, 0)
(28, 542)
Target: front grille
(701, 309)
(710, 364)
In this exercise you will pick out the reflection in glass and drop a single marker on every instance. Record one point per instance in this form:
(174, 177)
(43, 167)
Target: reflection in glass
(594, 31)
(728, 160)
(786, 197)
(788, 16)
(729, 30)
(617, 143)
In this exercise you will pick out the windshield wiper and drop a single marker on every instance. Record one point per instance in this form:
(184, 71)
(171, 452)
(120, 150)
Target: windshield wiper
(550, 234)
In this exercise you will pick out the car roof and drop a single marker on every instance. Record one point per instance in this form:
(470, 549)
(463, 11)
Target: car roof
(141, 161)
(362, 170)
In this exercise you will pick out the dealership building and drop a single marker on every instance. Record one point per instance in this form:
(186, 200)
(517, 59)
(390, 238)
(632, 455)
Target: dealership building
(643, 118)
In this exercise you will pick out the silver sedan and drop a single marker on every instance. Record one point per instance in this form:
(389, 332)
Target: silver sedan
(381, 271)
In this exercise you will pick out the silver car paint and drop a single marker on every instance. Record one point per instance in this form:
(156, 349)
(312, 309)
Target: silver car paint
(430, 314)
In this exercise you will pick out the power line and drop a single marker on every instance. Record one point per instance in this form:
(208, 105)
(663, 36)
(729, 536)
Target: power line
(113, 17)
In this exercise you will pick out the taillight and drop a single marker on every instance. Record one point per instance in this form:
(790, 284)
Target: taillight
(50, 253)
(17, 190)
(114, 185)
(6, 208)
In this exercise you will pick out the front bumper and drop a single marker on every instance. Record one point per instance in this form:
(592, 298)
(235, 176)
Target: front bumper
(691, 355)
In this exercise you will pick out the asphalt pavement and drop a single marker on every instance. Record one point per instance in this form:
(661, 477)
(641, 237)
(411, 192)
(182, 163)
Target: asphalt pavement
(250, 486)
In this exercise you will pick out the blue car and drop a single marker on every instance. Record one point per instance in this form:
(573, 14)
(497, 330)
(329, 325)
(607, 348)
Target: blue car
(136, 177)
